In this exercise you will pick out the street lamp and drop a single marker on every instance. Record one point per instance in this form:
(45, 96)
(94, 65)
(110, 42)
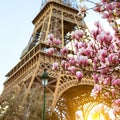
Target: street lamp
(44, 79)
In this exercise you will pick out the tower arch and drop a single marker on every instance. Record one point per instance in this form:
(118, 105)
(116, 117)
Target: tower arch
(76, 102)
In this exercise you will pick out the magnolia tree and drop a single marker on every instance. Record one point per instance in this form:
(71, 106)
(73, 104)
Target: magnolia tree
(99, 55)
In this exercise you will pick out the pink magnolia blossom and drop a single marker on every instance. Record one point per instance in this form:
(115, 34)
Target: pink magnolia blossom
(97, 24)
(77, 34)
(95, 60)
(103, 52)
(76, 37)
(95, 33)
(72, 69)
(116, 106)
(57, 42)
(98, 8)
(79, 75)
(80, 33)
(50, 51)
(116, 82)
(109, 7)
(88, 51)
(102, 60)
(81, 45)
(50, 36)
(104, 38)
(106, 15)
(64, 51)
(110, 11)
(55, 66)
(116, 102)
(82, 60)
(72, 60)
(113, 58)
(113, 93)
(76, 45)
(116, 110)
(96, 78)
(107, 81)
(73, 34)
(64, 65)
(96, 90)
(81, 51)
(51, 40)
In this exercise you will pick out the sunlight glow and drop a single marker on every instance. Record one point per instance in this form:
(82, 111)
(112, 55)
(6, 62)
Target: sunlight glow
(98, 112)
(96, 116)
(101, 112)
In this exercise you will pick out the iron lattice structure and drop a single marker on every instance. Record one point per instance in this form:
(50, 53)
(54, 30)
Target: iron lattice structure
(23, 90)
(75, 99)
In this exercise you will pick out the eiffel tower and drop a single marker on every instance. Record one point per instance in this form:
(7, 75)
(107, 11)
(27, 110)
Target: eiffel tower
(24, 85)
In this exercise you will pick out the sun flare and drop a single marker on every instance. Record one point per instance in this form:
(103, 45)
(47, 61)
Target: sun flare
(96, 116)
(98, 112)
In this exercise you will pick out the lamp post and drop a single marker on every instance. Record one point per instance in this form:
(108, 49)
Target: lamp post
(44, 79)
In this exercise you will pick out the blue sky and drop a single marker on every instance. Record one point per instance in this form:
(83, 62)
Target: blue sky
(15, 30)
